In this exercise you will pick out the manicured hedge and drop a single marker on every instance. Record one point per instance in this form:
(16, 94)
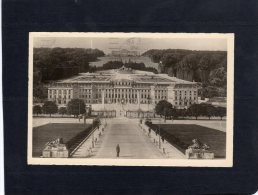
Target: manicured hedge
(173, 140)
(77, 139)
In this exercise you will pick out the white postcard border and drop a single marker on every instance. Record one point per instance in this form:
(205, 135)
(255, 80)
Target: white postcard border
(227, 162)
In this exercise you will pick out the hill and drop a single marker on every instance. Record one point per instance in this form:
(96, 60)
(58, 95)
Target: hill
(207, 67)
(58, 63)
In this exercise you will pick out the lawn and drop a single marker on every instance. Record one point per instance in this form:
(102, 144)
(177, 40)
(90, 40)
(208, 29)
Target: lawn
(187, 132)
(52, 131)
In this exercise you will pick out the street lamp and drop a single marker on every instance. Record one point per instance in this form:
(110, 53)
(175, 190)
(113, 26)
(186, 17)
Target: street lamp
(148, 106)
(159, 136)
(92, 128)
(79, 107)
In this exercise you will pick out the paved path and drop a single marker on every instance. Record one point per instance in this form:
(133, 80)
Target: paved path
(170, 150)
(85, 149)
(133, 143)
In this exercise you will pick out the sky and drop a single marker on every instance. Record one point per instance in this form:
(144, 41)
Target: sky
(139, 44)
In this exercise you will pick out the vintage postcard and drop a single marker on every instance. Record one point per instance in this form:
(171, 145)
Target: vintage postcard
(131, 99)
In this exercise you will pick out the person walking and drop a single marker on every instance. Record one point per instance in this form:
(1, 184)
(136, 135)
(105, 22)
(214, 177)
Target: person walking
(117, 150)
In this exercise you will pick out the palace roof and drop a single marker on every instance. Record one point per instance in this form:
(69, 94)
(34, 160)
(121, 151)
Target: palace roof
(114, 75)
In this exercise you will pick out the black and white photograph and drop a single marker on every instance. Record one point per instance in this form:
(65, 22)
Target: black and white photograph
(131, 99)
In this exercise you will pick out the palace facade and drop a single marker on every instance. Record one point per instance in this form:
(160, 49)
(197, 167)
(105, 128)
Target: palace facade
(124, 86)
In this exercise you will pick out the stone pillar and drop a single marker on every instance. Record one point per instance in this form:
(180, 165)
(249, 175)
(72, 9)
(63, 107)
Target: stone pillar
(52, 94)
(138, 98)
(48, 94)
(152, 94)
(75, 93)
(103, 98)
(62, 96)
(171, 94)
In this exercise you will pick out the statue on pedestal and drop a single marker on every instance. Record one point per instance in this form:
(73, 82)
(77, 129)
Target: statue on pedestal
(199, 150)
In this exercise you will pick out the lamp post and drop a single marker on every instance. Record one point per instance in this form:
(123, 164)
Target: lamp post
(92, 129)
(79, 109)
(79, 101)
(105, 121)
(159, 136)
(148, 107)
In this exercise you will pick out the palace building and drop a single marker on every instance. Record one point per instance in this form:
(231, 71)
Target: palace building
(124, 86)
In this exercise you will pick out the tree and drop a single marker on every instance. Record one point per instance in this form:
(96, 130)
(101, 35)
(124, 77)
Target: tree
(208, 67)
(39, 91)
(58, 63)
(96, 122)
(221, 112)
(195, 110)
(209, 110)
(172, 113)
(162, 108)
(37, 109)
(76, 107)
(62, 110)
(49, 107)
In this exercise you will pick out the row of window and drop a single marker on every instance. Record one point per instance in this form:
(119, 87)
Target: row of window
(85, 96)
(69, 91)
(125, 90)
(161, 97)
(59, 97)
(180, 98)
(122, 83)
(123, 96)
(185, 92)
(60, 91)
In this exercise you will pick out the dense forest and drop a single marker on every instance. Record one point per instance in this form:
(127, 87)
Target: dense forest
(59, 63)
(118, 64)
(207, 67)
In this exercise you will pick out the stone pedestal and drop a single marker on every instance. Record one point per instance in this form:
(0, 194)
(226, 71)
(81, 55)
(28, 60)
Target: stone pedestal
(55, 150)
(199, 154)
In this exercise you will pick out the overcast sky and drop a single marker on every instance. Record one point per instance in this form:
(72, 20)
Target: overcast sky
(140, 44)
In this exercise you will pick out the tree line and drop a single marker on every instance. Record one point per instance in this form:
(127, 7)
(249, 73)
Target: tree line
(166, 109)
(118, 64)
(163, 108)
(74, 107)
(207, 67)
(58, 63)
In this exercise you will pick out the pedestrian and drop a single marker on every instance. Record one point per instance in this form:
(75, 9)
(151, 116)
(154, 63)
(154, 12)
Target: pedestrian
(84, 119)
(117, 150)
